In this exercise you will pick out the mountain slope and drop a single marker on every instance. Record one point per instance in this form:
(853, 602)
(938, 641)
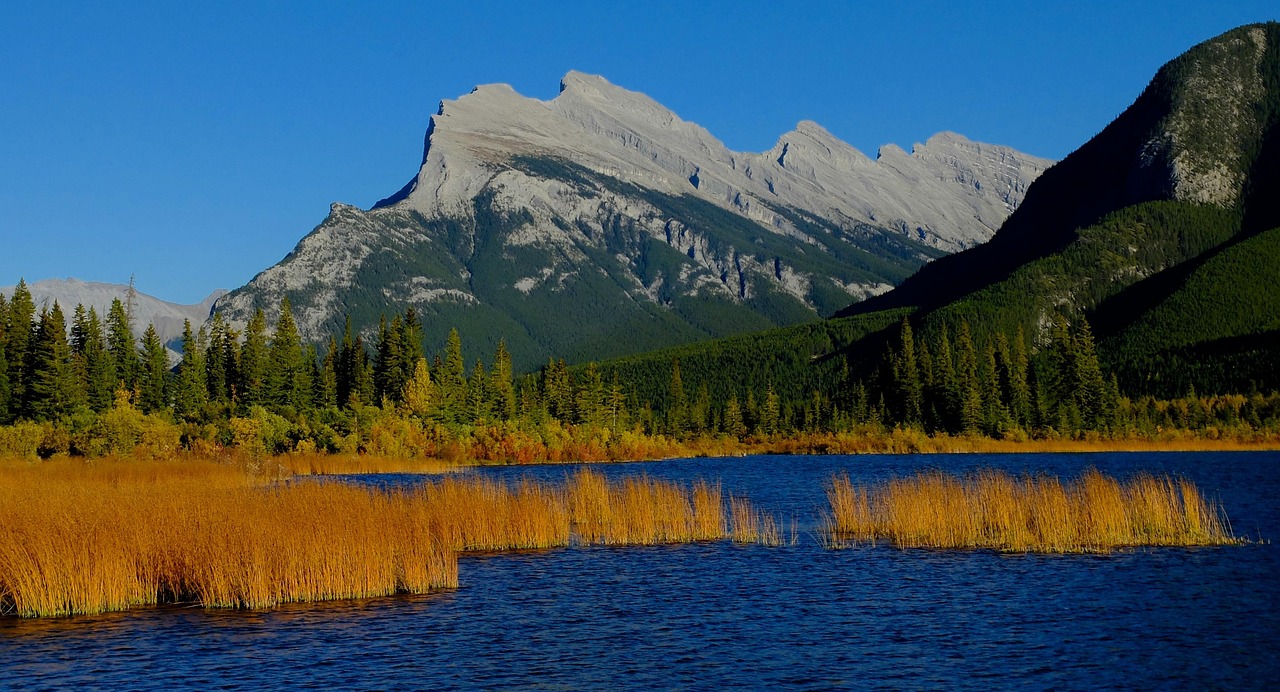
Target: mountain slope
(1196, 134)
(1161, 231)
(599, 223)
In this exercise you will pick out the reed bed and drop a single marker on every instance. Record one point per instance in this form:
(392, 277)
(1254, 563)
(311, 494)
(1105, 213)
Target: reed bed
(643, 511)
(78, 538)
(992, 509)
(750, 525)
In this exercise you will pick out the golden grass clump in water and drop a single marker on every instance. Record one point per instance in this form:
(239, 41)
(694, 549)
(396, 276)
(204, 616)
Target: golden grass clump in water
(89, 539)
(751, 525)
(991, 509)
(79, 537)
(643, 511)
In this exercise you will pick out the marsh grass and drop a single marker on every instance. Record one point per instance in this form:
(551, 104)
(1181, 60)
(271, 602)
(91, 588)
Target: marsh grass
(643, 510)
(79, 537)
(992, 509)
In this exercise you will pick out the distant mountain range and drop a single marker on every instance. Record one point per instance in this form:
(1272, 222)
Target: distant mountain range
(599, 223)
(167, 317)
(1163, 231)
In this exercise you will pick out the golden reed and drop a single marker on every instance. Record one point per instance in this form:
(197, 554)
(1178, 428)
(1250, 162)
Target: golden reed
(992, 509)
(79, 537)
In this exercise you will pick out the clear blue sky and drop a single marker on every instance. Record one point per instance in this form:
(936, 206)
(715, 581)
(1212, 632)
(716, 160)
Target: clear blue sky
(193, 144)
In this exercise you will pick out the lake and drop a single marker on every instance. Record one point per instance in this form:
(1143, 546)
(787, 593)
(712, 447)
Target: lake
(706, 615)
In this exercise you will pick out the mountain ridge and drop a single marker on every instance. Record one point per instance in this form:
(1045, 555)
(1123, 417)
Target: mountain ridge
(524, 212)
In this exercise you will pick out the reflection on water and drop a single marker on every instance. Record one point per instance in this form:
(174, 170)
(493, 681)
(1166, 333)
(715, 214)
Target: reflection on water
(702, 615)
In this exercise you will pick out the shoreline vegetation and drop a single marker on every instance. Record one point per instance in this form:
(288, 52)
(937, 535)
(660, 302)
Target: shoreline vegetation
(85, 537)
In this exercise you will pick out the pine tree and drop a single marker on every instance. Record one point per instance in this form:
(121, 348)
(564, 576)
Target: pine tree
(910, 389)
(946, 394)
(286, 380)
(217, 363)
(732, 423)
(19, 333)
(153, 385)
(501, 390)
(968, 386)
(326, 384)
(678, 409)
(590, 400)
(477, 396)
(452, 379)
(388, 381)
(253, 361)
(122, 346)
(1090, 393)
(190, 390)
(95, 364)
(770, 413)
(53, 388)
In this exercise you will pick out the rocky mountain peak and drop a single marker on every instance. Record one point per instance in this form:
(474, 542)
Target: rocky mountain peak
(603, 200)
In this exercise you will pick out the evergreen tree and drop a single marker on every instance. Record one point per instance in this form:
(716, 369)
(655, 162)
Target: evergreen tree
(54, 389)
(388, 380)
(95, 365)
(419, 392)
(153, 384)
(452, 379)
(190, 389)
(477, 396)
(910, 388)
(122, 346)
(770, 414)
(617, 410)
(678, 409)
(19, 333)
(219, 379)
(946, 396)
(326, 389)
(590, 399)
(1090, 393)
(967, 384)
(286, 381)
(253, 361)
(501, 389)
(732, 424)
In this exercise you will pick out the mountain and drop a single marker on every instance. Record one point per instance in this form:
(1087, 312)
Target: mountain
(599, 223)
(167, 317)
(1163, 231)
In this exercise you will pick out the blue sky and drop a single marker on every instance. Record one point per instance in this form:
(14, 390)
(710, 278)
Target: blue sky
(193, 144)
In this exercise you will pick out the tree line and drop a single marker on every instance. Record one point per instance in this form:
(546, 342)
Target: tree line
(949, 382)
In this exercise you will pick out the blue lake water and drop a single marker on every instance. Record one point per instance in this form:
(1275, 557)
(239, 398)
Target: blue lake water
(699, 616)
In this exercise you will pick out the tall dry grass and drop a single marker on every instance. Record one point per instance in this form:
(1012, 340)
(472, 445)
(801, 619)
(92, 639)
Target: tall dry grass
(643, 511)
(79, 537)
(992, 509)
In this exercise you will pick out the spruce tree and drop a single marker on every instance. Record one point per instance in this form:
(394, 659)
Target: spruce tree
(501, 389)
(53, 388)
(732, 424)
(452, 378)
(283, 379)
(968, 386)
(678, 409)
(1090, 393)
(122, 346)
(153, 384)
(326, 384)
(910, 388)
(190, 389)
(218, 383)
(20, 330)
(98, 367)
(477, 397)
(253, 361)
